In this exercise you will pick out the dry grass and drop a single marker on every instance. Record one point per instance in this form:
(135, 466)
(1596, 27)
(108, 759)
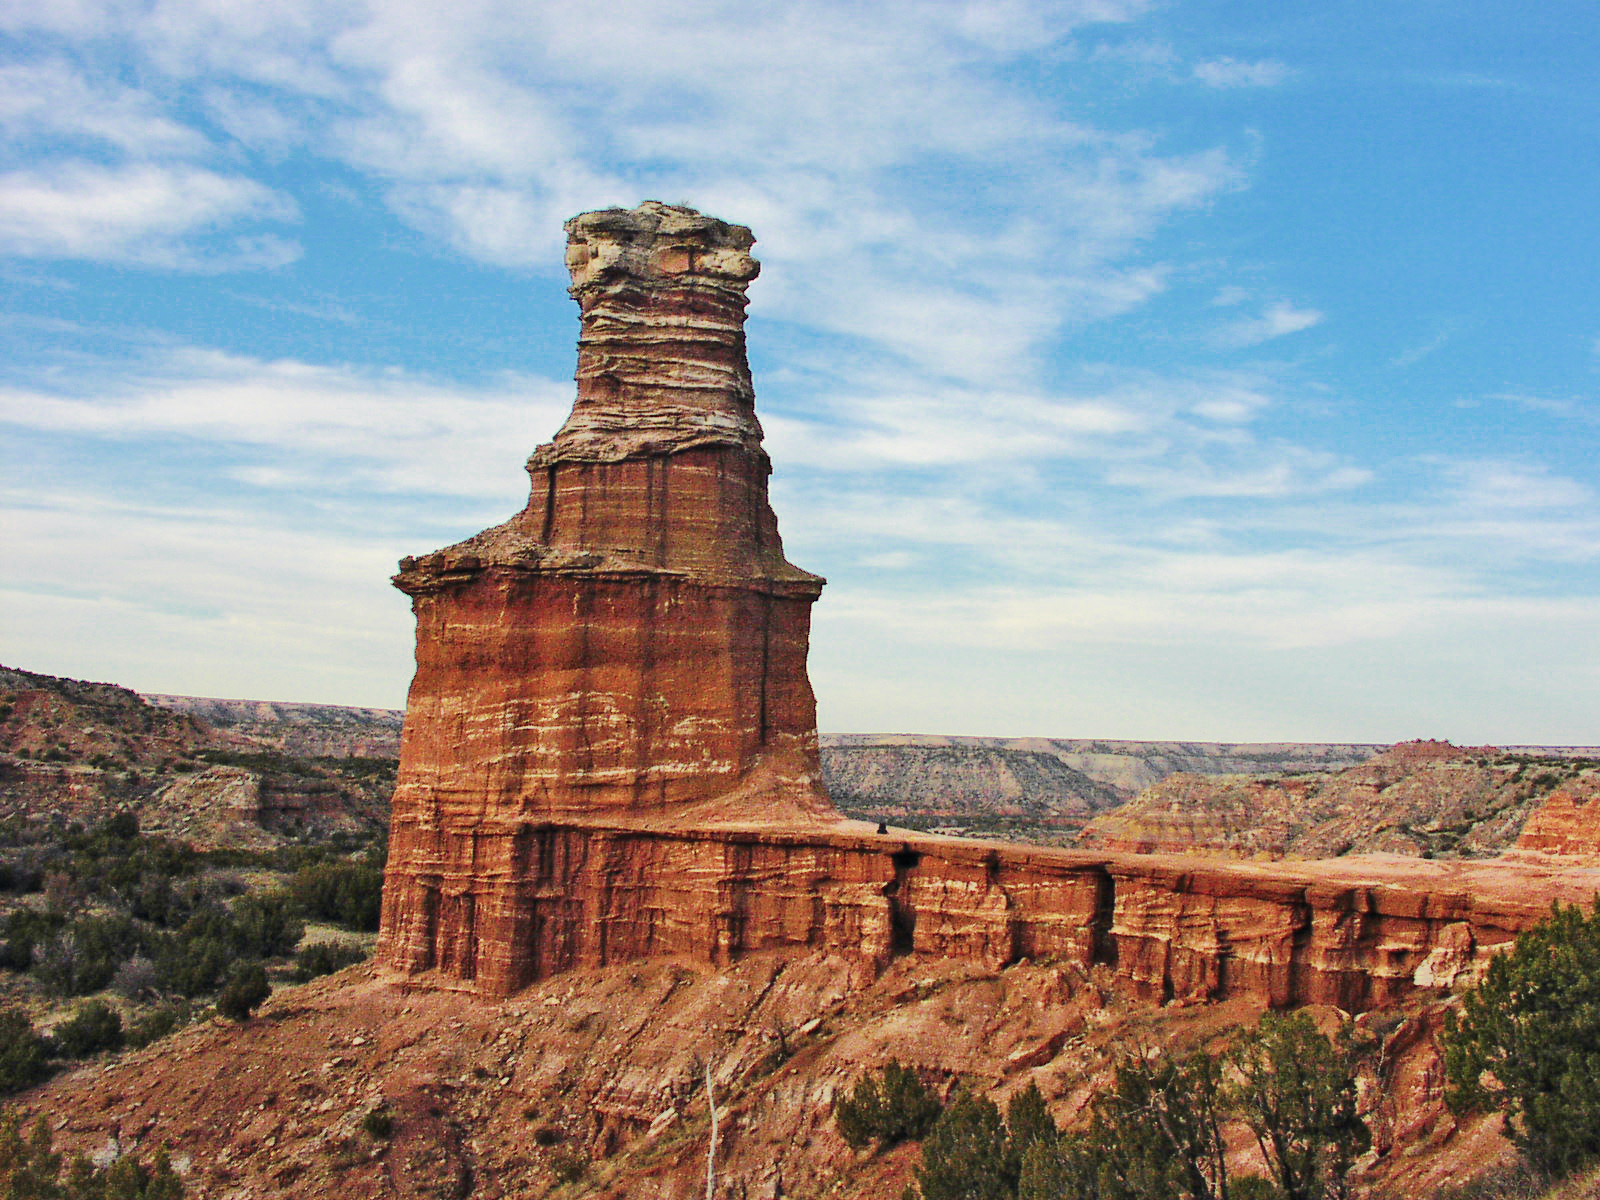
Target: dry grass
(1520, 1182)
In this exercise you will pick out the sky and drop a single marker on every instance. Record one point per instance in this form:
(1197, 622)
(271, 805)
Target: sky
(1132, 369)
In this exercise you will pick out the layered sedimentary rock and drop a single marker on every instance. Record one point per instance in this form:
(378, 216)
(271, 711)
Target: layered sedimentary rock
(1417, 798)
(1566, 826)
(610, 750)
(1356, 933)
(631, 646)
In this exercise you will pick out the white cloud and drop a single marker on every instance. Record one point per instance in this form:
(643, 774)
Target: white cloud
(206, 589)
(52, 99)
(487, 124)
(1512, 485)
(1277, 320)
(374, 429)
(1414, 354)
(1235, 73)
(1252, 471)
(140, 213)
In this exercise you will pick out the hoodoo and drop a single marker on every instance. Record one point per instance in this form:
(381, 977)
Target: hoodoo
(632, 645)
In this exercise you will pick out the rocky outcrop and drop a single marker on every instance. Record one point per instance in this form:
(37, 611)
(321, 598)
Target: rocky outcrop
(984, 790)
(72, 751)
(1124, 766)
(1566, 826)
(318, 730)
(602, 1072)
(610, 753)
(1418, 798)
(1354, 932)
(632, 645)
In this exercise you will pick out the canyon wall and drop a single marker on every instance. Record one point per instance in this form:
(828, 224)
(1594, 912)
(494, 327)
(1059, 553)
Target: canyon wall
(610, 751)
(1356, 933)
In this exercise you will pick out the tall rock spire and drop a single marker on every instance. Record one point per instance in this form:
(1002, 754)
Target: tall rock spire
(631, 647)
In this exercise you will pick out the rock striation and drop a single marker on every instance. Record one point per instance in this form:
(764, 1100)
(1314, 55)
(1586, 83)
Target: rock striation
(1566, 826)
(630, 646)
(610, 749)
(73, 751)
(1424, 798)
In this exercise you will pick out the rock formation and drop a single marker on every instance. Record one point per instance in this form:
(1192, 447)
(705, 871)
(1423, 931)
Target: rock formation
(632, 644)
(72, 751)
(610, 748)
(1566, 826)
(1423, 798)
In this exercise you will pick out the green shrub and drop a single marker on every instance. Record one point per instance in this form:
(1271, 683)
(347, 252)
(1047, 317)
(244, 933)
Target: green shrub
(1155, 1132)
(378, 1124)
(967, 1156)
(246, 988)
(567, 1166)
(84, 956)
(324, 958)
(96, 1026)
(30, 1169)
(21, 872)
(194, 961)
(1297, 1093)
(24, 1055)
(1528, 1041)
(346, 893)
(1028, 1121)
(21, 934)
(159, 1022)
(266, 925)
(893, 1106)
(192, 966)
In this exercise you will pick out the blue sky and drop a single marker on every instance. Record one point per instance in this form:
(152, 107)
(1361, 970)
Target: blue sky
(1141, 370)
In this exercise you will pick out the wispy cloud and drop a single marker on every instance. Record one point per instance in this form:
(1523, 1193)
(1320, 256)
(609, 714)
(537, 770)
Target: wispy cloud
(52, 100)
(1412, 355)
(140, 213)
(1277, 320)
(487, 127)
(374, 429)
(1236, 73)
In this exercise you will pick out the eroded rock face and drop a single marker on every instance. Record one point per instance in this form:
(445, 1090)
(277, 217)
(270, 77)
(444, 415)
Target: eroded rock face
(1417, 798)
(610, 747)
(630, 646)
(1566, 826)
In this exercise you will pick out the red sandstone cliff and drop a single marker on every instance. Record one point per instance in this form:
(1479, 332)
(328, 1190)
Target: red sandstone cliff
(1566, 827)
(631, 644)
(610, 748)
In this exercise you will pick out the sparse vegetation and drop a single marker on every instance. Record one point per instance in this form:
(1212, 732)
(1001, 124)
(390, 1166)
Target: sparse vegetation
(159, 1021)
(378, 1124)
(110, 907)
(568, 1166)
(30, 1169)
(1527, 1042)
(96, 1026)
(24, 1055)
(246, 988)
(1156, 1131)
(346, 893)
(324, 958)
(890, 1107)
